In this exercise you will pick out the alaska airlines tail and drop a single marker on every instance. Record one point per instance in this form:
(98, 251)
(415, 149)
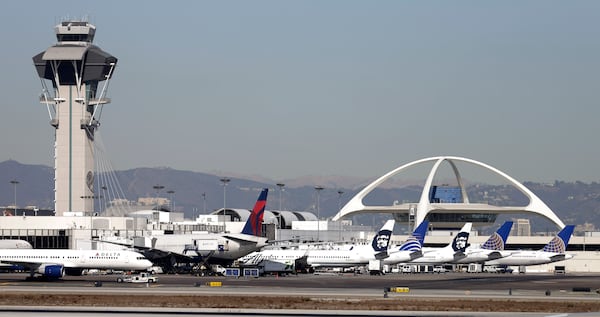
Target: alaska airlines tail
(415, 241)
(460, 242)
(381, 241)
(254, 223)
(497, 240)
(559, 243)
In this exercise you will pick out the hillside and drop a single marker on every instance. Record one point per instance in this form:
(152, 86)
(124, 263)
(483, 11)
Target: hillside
(577, 203)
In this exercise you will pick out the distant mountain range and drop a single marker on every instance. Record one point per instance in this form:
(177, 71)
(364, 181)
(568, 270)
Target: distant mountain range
(574, 202)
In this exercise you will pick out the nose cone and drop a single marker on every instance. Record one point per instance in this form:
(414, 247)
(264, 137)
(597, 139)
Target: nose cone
(146, 264)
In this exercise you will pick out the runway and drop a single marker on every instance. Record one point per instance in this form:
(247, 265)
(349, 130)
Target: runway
(457, 287)
(346, 283)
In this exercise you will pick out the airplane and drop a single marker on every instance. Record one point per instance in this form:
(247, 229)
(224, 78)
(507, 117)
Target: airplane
(276, 260)
(491, 249)
(554, 251)
(206, 248)
(355, 255)
(453, 251)
(14, 244)
(411, 249)
(55, 263)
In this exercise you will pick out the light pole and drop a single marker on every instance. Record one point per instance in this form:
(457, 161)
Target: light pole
(171, 192)
(15, 183)
(280, 185)
(318, 189)
(224, 180)
(340, 193)
(204, 201)
(157, 188)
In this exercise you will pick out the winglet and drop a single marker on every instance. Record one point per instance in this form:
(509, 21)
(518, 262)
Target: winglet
(415, 241)
(381, 241)
(460, 242)
(497, 240)
(559, 243)
(254, 223)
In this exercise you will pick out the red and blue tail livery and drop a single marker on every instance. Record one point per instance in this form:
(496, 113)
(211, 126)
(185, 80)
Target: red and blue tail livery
(254, 224)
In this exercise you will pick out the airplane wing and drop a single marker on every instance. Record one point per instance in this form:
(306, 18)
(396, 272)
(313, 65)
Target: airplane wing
(459, 255)
(237, 238)
(495, 255)
(558, 257)
(381, 255)
(29, 265)
(154, 254)
(415, 254)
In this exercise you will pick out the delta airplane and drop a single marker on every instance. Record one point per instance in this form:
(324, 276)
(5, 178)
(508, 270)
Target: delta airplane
(209, 248)
(453, 251)
(411, 249)
(356, 255)
(55, 263)
(554, 251)
(491, 249)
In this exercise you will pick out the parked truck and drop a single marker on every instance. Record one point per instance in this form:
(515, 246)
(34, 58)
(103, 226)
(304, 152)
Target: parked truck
(375, 267)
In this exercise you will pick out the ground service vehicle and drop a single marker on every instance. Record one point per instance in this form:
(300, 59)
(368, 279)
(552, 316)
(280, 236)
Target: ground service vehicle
(138, 278)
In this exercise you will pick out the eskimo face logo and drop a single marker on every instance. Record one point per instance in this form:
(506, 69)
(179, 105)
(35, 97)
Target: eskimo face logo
(460, 242)
(382, 240)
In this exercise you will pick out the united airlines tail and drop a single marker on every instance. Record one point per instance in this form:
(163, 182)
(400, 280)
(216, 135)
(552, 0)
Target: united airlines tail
(497, 240)
(415, 241)
(559, 243)
(254, 223)
(381, 241)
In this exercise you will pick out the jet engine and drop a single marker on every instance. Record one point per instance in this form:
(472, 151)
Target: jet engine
(51, 270)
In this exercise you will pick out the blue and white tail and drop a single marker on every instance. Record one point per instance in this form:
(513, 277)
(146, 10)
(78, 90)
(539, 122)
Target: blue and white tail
(415, 241)
(381, 241)
(461, 241)
(497, 241)
(254, 223)
(559, 243)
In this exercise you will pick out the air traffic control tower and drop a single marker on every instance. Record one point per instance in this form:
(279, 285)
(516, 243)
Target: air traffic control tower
(75, 68)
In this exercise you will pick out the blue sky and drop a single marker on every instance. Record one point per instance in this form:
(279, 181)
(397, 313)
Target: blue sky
(284, 89)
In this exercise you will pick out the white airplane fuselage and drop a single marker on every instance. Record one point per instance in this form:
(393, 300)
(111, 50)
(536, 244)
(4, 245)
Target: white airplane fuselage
(401, 257)
(530, 258)
(76, 259)
(436, 256)
(339, 258)
(473, 255)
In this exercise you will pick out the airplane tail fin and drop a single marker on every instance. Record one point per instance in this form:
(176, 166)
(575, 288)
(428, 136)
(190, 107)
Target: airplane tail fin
(381, 241)
(415, 241)
(460, 242)
(559, 243)
(497, 240)
(254, 223)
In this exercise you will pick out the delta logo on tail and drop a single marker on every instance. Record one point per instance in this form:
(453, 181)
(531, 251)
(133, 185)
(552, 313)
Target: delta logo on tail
(559, 243)
(254, 224)
(497, 241)
(415, 241)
